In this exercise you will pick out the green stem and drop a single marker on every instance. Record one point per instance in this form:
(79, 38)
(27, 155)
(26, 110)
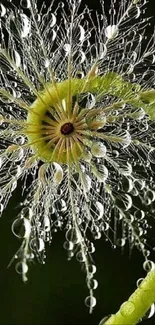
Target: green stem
(137, 305)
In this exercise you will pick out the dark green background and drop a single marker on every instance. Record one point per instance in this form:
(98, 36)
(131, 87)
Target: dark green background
(56, 291)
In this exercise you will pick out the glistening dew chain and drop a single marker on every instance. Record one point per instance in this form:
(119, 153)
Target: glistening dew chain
(77, 126)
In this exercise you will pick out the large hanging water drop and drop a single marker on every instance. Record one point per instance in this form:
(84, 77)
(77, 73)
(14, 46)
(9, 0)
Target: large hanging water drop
(25, 26)
(90, 301)
(21, 227)
(72, 235)
(25, 3)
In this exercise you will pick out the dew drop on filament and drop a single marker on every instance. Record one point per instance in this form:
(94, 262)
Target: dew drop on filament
(90, 301)
(25, 4)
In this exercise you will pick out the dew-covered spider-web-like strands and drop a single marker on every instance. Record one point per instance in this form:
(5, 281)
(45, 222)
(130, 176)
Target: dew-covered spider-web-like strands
(77, 126)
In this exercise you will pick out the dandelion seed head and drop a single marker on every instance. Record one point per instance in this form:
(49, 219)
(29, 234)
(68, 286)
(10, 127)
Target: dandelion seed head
(77, 127)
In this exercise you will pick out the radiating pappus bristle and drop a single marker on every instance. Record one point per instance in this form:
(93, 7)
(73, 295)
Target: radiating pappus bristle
(77, 118)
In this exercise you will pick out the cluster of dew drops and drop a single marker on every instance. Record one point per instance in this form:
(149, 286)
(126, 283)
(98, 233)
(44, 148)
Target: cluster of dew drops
(149, 198)
(20, 226)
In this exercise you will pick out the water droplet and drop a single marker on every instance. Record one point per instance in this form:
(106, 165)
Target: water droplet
(97, 210)
(1, 208)
(139, 214)
(149, 195)
(148, 265)
(91, 268)
(104, 319)
(139, 184)
(25, 3)
(124, 202)
(139, 113)
(68, 245)
(20, 139)
(92, 284)
(119, 215)
(72, 235)
(100, 175)
(97, 234)
(90, 301)
(127, 308)
(102, 50)
(79, 56)
(87, 156)
(21, 268)
(138, 12)
(58, 176)
(126, 170)
(47, 224)
(139, 231)
(91, 101)
(1, 119)
(98, 150)
(115, 153)
(70, 255)
(151, 156)
(139, 281)
(52, 20)
(67, 48)
(26, 212)
(25, 26)
(2, 10)
(37, 244)
(47, 63)
(16, 155)
(86, 182)
(60, 205)
(91, 247)
(134, 192)
(13, 185)
(120, 242)
(111, 31)
(21, 227)
(7, 100)
(81, 257)
(150, 312)
(81, 34)
(17, 58)
(127, 184)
